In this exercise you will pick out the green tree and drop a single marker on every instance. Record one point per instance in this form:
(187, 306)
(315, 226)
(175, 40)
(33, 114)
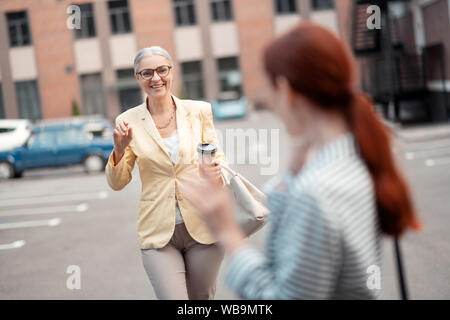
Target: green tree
(75, 109)
(182, 93)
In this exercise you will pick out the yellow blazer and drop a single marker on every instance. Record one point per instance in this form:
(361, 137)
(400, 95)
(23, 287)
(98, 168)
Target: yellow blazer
(160, 178)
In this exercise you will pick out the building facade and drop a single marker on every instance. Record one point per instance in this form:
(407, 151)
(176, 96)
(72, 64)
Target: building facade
(48, 69)
(423, 27)
(405, 66)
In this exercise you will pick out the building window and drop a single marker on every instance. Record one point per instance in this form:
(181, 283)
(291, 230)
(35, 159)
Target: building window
(119, 16)
(87, 25)
(2, 109)
(129, 92)
(317, 5)
(28, 99)
(230, 75)
(192, 80)
(184, 12)
(93, 96)
(221, 10)
(285, 6)
(18, 29)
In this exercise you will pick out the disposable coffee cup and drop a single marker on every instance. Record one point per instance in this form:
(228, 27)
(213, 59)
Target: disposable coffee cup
(206, 152)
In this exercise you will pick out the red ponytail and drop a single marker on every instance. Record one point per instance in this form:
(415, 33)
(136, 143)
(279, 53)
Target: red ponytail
(321, 67)
(394, 205)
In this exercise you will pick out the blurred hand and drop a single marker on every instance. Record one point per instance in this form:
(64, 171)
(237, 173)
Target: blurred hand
(215, 205)
(211, 171)
(123, 135)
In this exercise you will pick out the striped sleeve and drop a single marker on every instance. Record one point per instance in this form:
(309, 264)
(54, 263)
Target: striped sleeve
(308, 250)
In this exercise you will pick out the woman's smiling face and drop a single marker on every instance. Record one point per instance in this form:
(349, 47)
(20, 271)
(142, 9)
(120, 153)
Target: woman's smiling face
(157, 86)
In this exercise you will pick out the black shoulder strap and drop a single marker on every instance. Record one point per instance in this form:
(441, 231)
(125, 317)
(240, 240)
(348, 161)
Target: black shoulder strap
(400, 270)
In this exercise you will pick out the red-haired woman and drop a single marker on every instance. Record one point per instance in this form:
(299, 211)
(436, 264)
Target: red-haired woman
(340, 194)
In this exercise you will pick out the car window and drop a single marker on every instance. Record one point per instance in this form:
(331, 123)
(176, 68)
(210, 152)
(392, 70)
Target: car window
(98, 130)
(42, 139)
(226, 100)
(5, 130)
(70, 136)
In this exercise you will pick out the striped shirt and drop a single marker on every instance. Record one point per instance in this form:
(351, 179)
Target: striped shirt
(324, 238)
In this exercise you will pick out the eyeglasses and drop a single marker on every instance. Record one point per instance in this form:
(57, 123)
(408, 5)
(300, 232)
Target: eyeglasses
(147, 74)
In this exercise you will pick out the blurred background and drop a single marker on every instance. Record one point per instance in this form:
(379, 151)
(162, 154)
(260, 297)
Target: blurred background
(61, 89)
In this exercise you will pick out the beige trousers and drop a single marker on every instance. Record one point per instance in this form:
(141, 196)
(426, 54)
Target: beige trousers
(184, 269)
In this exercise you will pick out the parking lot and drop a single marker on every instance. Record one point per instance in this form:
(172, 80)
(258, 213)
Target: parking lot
(53, 219)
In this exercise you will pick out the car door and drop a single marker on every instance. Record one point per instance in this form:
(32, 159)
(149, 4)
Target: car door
(71, 144)
(40, 150)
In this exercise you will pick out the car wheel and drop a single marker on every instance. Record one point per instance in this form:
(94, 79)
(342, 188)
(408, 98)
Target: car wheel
(93, 164)
(18, 174)
(6, 170)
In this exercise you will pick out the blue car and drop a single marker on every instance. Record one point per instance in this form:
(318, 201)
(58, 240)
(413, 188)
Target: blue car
(87, 142)
(229, 107)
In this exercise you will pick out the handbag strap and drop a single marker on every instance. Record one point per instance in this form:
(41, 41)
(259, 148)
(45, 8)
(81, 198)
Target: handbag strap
(400, 270)
(226, 168)
(225, 178)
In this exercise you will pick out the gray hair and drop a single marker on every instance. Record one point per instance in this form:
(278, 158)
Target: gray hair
(150, 51)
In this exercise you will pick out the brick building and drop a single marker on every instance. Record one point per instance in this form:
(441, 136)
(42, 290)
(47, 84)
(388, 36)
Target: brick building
(48, 69)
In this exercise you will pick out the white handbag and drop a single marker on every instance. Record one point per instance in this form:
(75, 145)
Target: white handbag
(251, 210)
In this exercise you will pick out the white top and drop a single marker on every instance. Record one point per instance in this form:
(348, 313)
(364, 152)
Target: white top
(172, 144)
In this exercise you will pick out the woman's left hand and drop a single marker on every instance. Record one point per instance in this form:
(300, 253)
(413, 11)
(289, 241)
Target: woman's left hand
(215, 205)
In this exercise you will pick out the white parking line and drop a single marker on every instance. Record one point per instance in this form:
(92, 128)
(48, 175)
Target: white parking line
(48, 210)
(426, 154)
(54, 199)
(28, 224)
(437, 162)
(13, 245)
(4, 195)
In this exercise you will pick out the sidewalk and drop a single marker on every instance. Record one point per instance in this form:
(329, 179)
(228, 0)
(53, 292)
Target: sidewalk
(419, 133)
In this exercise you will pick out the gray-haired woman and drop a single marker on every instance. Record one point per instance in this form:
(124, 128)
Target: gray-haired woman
(180, 255)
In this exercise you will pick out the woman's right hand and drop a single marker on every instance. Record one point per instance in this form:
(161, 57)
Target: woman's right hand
(123, 134)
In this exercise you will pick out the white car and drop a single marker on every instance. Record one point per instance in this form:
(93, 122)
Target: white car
(13, 133)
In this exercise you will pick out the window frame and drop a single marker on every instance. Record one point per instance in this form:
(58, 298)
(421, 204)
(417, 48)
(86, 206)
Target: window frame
(87, 17)
(126, 75)
(193, 79)
(317, 5)
(222, 15)
(119, 13)
(28, 94)
(2, 105)
(183, 19)
(223, 74)
(282, 7)
(18, 24)
(92, 87)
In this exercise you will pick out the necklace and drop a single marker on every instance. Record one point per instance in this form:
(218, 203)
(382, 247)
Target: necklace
(168, 122)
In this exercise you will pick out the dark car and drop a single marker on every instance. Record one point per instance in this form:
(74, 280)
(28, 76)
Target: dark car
(87, 142)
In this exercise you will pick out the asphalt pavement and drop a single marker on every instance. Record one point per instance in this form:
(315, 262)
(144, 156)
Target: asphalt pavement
(52, 220)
